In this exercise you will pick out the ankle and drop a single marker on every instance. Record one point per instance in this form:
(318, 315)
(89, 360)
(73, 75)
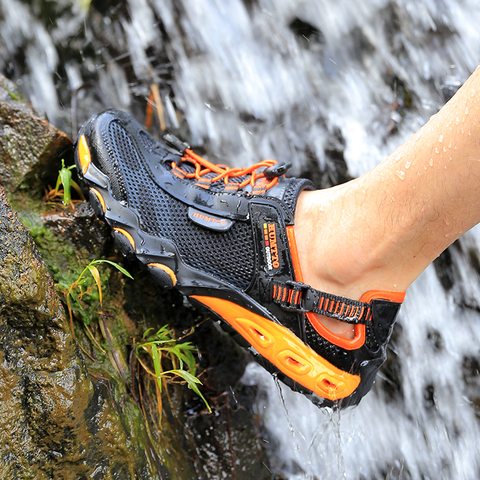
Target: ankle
(343, 249)
(331, 244)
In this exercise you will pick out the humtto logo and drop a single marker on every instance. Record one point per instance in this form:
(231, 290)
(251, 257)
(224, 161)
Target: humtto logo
(271, 249)
(208, 219)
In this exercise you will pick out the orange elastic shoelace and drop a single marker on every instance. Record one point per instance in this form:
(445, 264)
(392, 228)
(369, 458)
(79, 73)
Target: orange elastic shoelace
(224, 172)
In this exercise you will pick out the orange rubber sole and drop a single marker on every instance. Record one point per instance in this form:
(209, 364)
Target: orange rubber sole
(285, 350)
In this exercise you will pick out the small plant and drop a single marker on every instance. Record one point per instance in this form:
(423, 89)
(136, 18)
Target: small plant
(164, 345)
(64, 179)
(85, 286)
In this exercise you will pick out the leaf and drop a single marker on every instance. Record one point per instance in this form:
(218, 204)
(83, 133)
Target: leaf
(192, 382)
(96, 275)
(66, 178)
(146, 332)
(157, 365)
(116, 265)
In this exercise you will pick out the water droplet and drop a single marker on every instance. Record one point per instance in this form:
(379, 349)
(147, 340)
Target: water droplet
(469, 132)
(400, 174)
(457, 120)
(436, 149)
(407, 164)
(397, 155)
(430, 162)
(440, 138)
(444, 149)
(466, 110)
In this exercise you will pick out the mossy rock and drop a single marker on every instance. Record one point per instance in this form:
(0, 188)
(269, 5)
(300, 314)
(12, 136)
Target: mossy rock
(30, 147)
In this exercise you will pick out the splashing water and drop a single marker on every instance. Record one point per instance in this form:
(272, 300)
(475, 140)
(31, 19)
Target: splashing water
(325, 85)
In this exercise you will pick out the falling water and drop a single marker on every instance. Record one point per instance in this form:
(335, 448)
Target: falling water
(326, 85)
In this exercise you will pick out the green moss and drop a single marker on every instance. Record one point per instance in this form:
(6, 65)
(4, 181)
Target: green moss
(106, 345)
(16, 96)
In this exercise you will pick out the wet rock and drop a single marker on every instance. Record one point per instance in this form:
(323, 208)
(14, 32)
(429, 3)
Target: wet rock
(81, 226)
(227, 443)
(30, 147)
(52, 414)
(306, 31)
(471, 377)
(446, 269)
(335, 169)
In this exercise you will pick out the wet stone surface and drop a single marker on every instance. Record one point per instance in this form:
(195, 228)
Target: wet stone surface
(30, 147)
(81, 226)
(51, 413)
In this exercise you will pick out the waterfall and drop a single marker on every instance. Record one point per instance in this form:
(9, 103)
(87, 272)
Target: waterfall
(328, 86)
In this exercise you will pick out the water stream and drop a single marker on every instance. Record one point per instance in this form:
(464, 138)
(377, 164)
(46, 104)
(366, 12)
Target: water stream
(326, 85)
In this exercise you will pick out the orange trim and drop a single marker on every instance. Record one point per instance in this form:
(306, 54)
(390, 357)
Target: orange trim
(84, 156)
(346, 343)
(359, 330)
(286, 351)
(397, 297)
(99, 196)
(296, 297)
(294, 253)
(127, 235)
(166, 270)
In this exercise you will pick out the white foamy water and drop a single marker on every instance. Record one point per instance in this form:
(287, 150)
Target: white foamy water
(251, 87)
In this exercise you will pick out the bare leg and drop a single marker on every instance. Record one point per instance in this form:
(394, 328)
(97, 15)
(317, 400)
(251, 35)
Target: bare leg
(381, 230)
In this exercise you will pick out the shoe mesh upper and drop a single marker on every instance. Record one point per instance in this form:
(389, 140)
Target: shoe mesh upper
(229, 255)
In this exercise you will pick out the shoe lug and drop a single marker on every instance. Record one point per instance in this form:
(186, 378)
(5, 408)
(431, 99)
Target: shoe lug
(163, 275)
(96, 204)
(123, 244)
(94, 176)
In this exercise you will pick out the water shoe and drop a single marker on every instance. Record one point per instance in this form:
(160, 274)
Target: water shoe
(224, 238)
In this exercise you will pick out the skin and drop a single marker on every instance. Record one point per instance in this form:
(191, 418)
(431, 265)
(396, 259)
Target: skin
(381, 230)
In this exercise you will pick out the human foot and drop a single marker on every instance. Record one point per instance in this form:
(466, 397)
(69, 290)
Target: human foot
(342, 247)
(224, 238)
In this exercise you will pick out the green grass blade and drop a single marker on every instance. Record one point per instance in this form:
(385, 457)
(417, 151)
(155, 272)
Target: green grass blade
(192, 382)
(96, 276)
(116, 265)
(157, 365)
